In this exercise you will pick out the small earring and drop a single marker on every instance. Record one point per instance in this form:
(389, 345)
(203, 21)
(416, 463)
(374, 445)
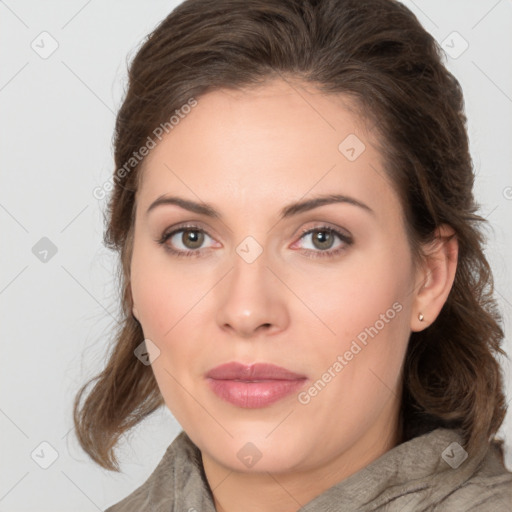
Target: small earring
(420, 317)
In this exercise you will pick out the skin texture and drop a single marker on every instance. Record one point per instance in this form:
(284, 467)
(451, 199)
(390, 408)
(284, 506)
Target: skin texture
(249, 154)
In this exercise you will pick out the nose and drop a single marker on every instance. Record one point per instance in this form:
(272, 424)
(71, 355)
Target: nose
(252, 300)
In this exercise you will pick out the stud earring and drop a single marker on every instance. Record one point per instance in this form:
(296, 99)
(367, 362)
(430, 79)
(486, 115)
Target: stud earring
(420, 317)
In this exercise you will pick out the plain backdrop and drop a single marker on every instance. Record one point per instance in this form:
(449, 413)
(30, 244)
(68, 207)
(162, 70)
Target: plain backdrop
(62, 76)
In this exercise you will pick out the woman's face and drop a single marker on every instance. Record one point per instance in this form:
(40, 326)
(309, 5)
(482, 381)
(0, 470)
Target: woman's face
(254, 285)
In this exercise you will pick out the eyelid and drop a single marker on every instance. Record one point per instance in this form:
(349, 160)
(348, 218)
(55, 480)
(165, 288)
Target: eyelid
(184, 226)
(320, 225)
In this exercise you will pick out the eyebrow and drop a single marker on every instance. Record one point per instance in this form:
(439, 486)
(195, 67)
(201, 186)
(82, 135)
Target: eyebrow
(287, 211)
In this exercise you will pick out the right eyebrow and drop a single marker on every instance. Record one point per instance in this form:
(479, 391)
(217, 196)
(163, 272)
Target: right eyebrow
(186, 204)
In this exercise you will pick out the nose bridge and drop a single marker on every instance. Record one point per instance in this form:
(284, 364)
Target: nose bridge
(250, 267)
(251, 298)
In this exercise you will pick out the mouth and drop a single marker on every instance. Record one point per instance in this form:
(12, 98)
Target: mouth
(255, 386)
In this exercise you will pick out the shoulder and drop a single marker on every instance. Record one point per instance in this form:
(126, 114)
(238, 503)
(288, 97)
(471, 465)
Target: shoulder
(488, 489)
(163, 486)
(495, 497)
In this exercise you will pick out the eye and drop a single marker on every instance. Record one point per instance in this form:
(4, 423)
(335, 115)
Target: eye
(191, 238)
(323, 238)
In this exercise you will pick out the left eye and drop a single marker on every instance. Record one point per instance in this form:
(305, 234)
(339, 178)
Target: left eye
(323, 239)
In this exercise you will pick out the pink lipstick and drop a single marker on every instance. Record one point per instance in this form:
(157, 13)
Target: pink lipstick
(254, 386)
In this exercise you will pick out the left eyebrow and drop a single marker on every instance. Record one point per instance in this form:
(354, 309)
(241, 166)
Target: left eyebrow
(288, 211)
(303, 206)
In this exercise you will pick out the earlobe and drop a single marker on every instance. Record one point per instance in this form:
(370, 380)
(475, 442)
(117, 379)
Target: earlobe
(435, 278)
(135, 313)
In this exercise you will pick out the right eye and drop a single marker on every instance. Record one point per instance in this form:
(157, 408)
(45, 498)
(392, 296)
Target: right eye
(190, 237)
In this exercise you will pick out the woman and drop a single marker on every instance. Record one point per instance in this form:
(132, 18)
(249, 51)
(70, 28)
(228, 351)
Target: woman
(303, 277)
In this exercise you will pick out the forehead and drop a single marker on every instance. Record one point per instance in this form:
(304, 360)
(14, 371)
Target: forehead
(273, 143)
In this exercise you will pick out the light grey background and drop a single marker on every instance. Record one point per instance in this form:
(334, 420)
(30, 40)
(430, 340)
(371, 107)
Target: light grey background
(56, 122)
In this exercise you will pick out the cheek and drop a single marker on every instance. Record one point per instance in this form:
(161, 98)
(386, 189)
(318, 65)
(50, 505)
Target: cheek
(365, 292)
(165, 299)
(162, 292)
(170, 298)
(367, 306)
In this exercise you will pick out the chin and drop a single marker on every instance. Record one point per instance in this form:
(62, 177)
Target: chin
(254, 453)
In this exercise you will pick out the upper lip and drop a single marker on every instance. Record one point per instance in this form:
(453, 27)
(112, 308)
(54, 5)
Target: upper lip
(254, 372)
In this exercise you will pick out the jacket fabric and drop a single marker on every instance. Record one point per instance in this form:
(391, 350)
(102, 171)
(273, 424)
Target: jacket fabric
(430, 473)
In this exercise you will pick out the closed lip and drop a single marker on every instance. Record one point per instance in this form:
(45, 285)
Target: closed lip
(252, 373)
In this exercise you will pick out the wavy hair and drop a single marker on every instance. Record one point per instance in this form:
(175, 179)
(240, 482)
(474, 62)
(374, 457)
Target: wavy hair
(378, 53)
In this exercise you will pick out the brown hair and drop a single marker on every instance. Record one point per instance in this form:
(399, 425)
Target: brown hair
(377, 52)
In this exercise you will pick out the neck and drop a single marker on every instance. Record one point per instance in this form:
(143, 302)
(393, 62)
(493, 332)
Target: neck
(288, 492)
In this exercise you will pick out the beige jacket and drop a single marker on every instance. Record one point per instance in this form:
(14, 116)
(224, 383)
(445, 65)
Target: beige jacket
(426, 474)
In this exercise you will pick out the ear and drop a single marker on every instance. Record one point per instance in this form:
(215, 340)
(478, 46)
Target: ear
(435, 278)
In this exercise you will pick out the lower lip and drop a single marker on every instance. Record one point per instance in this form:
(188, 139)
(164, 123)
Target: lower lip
(252, 395)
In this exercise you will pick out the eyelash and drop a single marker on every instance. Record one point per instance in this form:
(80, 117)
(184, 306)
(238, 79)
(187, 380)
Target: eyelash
(331, 253)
